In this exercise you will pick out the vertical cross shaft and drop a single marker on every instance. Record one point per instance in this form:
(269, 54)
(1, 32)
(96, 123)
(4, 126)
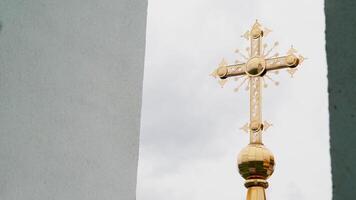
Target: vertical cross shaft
(255, 88)
(255, 111)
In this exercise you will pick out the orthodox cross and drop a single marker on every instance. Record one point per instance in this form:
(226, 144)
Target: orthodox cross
(257, 66)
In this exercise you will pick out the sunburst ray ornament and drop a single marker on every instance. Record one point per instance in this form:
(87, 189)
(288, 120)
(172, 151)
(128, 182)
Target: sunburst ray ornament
(256, 162)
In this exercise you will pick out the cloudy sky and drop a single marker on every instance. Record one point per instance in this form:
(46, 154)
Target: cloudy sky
(190, 134)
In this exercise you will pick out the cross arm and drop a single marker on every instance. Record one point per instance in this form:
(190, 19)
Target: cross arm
(289, 61)
(224, 72)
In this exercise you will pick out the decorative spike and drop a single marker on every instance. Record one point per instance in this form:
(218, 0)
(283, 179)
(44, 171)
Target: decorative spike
(292, 71)
(266, 31)
(214, 74)
(269, 51)
(301, 59)
(275, 82)
(266, 125)
(292, 50)
(245, 128)
(246, 35)
(222, 82)
(241, 54)
(223, 63)
(257, 24)
(264, 83)
(240, 85)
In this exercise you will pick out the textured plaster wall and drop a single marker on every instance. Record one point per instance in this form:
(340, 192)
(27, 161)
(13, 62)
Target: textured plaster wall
(70, 96)
(341, 54)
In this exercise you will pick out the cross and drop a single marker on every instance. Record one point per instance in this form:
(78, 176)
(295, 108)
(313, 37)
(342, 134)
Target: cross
(258, 65)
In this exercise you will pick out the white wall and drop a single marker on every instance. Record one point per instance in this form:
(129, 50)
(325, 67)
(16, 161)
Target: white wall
(70, 96)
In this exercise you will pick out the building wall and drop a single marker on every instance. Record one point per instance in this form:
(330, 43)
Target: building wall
(70, 96)
(341, 54)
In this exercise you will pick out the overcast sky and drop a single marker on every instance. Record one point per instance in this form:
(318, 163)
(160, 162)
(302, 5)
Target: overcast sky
(190, 133)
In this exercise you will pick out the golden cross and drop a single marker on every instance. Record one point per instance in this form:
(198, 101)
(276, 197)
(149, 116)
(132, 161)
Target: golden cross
(258, 64)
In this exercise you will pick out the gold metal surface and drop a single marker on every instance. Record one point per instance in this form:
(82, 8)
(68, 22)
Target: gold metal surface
(255, 66)
(255, 162)
(256, 193)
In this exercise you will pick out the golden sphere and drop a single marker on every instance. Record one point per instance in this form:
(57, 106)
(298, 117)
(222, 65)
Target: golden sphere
(255, 66)
(256, 33)
(255, 162)
(222, 71)
(256, 126)
(292, 61)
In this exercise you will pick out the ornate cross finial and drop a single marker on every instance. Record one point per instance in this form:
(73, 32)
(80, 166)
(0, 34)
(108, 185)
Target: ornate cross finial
(255, 162)
(255, 70)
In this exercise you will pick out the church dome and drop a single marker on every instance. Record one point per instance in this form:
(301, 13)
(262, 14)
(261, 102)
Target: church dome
(255, 162)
